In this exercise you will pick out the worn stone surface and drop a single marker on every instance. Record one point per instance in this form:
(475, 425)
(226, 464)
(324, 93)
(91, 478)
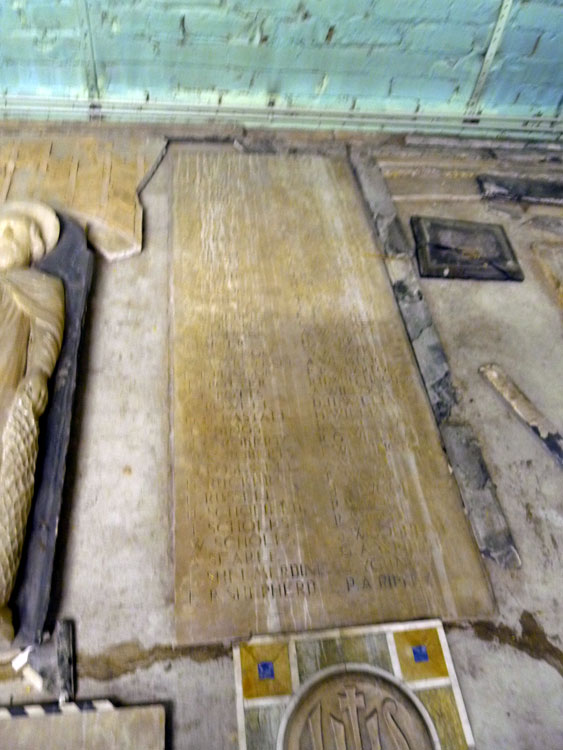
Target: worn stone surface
(118, 570)
(92, 179)
(464, 453)
(124, 728)
(430, 356)
(399, 260)
(511, 687)
(512, 700)
(550, 259)
(286, 345)
(530, 415)
(348, 705)
(196, 692)
(484, 511)
(117, 493)
(553, 225)
(114, 573)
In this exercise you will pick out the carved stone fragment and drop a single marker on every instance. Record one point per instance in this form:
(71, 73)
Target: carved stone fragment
(356, 707)
(32, 311)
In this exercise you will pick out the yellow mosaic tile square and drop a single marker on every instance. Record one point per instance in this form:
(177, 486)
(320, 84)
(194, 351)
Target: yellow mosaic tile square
(420, 654)
(440, 704)
(265, 670)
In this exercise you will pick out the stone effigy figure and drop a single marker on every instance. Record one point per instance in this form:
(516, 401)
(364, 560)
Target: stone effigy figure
(32, 313)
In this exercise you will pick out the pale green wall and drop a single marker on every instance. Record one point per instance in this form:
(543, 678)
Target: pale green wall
(374, 56)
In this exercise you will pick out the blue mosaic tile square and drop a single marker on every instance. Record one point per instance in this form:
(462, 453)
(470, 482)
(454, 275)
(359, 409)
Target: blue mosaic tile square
(266, 670)
(420, 653)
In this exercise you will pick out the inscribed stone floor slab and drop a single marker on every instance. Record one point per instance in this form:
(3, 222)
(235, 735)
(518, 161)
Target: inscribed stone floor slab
(310, 486)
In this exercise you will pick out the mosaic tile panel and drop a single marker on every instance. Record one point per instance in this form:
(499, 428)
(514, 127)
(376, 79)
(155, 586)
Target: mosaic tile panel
(415, 652)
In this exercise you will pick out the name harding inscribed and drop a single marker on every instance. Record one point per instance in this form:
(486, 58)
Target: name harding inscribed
(310, 486)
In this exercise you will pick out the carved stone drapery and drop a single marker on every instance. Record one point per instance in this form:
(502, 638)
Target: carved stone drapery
(32, 313)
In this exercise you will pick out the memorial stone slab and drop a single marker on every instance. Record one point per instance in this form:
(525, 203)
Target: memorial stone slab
(310, 486)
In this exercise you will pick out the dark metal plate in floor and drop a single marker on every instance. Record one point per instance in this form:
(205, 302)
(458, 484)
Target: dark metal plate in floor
(448, 248)
(520, 189)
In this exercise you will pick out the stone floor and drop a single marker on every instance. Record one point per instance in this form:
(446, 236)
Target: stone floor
(136, 728)
(116, 569)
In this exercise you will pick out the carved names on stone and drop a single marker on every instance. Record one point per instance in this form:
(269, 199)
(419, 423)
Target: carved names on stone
(310, 487)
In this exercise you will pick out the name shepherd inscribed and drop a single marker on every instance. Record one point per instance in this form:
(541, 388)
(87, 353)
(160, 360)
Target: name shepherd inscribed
(310, 487)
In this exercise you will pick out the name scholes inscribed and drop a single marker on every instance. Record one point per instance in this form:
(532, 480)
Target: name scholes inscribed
(310, 486)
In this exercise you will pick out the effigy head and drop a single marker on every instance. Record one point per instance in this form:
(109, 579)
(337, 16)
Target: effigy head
(20, 241)
(28, 230)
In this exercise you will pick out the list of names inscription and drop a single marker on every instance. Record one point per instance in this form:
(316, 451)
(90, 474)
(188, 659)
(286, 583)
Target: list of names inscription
(306, 462)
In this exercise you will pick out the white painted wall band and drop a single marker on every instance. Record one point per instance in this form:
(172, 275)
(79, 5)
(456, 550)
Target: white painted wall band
(524, 126)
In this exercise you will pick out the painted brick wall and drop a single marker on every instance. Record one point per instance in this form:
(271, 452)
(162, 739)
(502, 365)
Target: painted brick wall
(527, 76)
(42, 49)
(396, 56)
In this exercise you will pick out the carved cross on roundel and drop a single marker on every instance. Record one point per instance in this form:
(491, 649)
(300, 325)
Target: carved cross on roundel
(356, 709)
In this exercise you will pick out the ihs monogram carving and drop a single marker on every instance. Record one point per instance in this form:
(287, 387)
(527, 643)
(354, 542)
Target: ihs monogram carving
(356, 709)
(349, 730)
